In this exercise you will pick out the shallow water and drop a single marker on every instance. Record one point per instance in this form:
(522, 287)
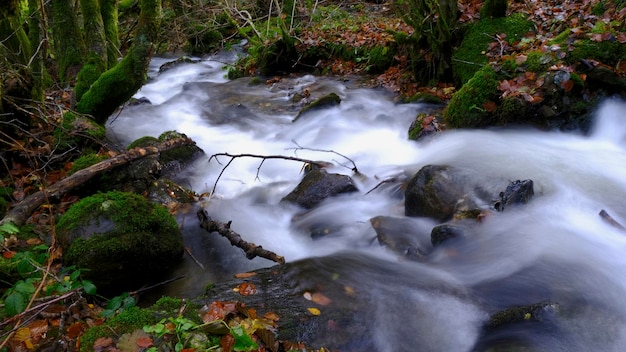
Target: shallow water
(557, 248)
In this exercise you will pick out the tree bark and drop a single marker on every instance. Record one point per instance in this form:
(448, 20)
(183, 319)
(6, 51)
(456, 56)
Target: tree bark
(108, 10)
(20, 213)
(118, 84)
(68, 40)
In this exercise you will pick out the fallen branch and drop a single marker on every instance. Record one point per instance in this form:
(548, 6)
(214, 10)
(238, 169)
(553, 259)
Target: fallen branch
(604, 215)
(251, 249)
(20, 212)
(299, 147)
(319, 164)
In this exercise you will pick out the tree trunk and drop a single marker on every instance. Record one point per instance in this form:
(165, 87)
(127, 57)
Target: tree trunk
(96, 62)
(68, 40)
(15, 52)
(118, 84)
(108, 10)
(38, 46)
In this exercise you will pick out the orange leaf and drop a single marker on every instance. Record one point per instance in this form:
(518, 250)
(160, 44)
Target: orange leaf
(244, 275)
(567, 85)
(8, 254)
(320, 299)
(75, 329)
(490, 106)
(144, 342)
(217, 311)
(246, 289)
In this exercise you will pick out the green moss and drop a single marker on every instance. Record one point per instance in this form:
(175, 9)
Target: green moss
(68, 134)
(469, 57)
(127, 321)
(145, 141)
(466, 108)
(327, 100)
(90, 72)
(607, 52)
(86, 161)
(167, 304)
(537, 61)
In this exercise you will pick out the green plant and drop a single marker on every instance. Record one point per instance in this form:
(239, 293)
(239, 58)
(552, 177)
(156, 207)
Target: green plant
(118, 304)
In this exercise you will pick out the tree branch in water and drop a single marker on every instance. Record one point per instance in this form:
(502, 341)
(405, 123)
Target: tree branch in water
(299, 147)
(251, 249)
(319, 164)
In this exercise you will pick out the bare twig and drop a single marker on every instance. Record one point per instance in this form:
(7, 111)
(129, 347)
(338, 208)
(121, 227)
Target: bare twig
(299, 147)
(251, 249)
(263, 157)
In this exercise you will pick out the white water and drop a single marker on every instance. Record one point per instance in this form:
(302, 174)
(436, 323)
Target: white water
(556, 241)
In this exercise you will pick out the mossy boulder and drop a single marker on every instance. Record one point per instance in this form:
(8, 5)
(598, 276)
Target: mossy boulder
(172, 160)
(470, 106)
(317, 185)
(120, 240)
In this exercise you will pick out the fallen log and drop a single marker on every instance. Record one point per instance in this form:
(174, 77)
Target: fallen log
(21, 211)
(251, 249)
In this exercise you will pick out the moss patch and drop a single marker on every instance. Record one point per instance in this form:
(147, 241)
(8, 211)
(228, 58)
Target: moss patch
(467, 107)
(469, 57)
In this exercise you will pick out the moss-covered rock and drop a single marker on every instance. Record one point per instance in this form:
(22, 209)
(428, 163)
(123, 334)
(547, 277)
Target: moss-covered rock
(328, 100)
(121, 239)
(78, 130)
(469, 57)
(469, 107)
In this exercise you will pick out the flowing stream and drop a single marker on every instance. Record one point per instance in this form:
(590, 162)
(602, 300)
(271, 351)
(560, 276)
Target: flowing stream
(557, 243)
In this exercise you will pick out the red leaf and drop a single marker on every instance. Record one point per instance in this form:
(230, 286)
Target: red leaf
(567, 85)
(8, 254)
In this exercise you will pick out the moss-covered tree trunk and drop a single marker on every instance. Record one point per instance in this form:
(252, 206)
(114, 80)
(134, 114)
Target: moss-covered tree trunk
(118, 84)
(96, 62)
(69, 45)
(39, 47)
(15, 52)
(108, 11)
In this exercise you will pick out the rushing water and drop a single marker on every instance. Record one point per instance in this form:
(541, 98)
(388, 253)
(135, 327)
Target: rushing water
(556, 244)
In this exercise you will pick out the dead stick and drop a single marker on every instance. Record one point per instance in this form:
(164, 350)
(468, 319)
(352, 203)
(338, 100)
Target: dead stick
(251, 249)
(19, 213)
(604, 215)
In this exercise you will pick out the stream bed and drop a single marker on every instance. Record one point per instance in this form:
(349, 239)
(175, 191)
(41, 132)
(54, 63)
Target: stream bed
(556, 250)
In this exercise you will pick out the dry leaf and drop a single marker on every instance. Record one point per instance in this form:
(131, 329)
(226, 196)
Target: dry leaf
(244, 275)
(321, 299)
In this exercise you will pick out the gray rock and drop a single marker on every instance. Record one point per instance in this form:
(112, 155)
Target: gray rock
(318, 185)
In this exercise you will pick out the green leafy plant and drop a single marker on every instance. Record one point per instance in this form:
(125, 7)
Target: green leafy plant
(118, 304)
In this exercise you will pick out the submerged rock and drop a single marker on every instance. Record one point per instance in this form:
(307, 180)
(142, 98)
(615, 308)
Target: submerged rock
(318, 185)
(440, 191)
(120, 240)
(405, 236)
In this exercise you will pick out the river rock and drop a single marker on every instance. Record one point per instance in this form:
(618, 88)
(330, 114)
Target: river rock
(440, 191)
(444, 232)
(405, 236)
(318, 185)
(120, 240)
(516, 193)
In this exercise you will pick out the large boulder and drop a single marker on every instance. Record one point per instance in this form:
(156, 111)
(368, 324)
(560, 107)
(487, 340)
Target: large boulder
(318, 185)
(439, 192)
(120, 239)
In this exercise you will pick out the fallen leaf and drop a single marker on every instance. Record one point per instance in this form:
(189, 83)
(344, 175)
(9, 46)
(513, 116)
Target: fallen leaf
(567, 85)
(246, 289)
(144, 342)
(244, 275)
(320, 299)
(217, 310)
(75, 329)
(314, 311)
(102, 344)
